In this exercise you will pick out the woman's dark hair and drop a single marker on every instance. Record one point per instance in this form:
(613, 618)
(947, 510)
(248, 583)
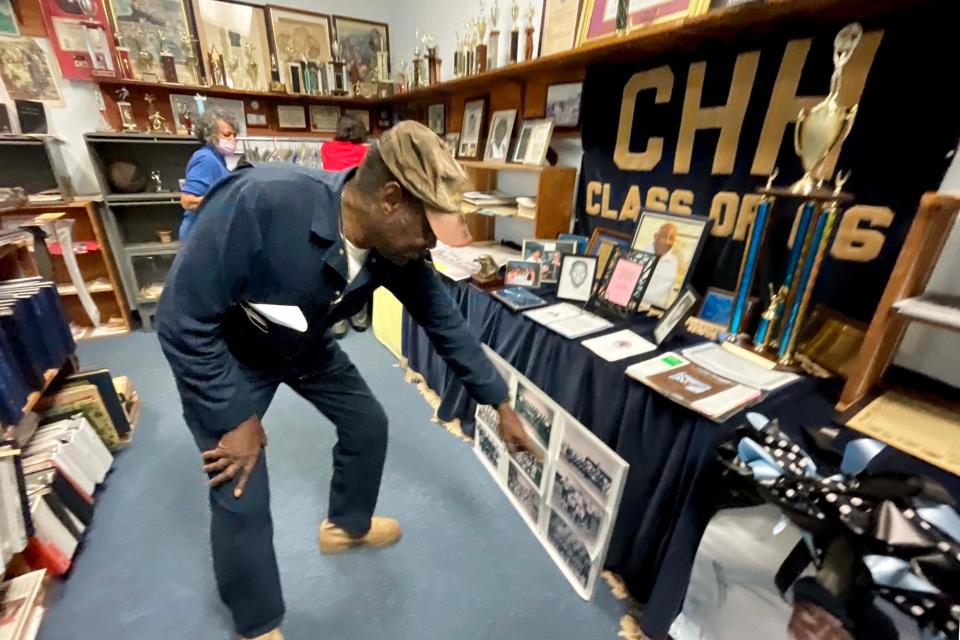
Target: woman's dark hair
(206, 127)
(350, 129)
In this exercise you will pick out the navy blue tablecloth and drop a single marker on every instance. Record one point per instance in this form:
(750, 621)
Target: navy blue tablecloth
(672, 488)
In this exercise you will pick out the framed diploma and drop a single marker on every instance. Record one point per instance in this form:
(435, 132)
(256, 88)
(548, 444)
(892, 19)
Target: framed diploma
(559, 24)
(600, 16)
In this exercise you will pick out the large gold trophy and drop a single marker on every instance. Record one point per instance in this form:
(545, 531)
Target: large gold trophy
(819, 133)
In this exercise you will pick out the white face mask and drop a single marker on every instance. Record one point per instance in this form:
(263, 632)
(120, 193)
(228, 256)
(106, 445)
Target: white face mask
(226, 146)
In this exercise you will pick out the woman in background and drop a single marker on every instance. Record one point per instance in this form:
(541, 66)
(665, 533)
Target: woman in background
(207, 165)
(346, 151)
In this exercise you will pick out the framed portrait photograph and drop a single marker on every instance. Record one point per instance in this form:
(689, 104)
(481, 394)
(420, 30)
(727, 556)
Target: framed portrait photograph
(238, 32)
(360, 41)
(677, 241)
(323, 117)
(600, 16)
(500, 134)
(184, 107)
(549, 255)
(471, 135)
(539, 142)
(453, 142)
(360, 114)
(522, 273)
(135, 25)
(26, 72)
(437, 118)
(298, 35)
(602, 244)
(624, 280)
(671, 322)
(559, 25)
(563, 104)
(291, 116)
(576, 277)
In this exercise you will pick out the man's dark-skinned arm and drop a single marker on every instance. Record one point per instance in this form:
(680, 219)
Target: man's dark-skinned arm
(418, 287)
(206, 280)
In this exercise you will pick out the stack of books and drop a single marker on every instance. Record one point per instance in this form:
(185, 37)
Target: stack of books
(21, 601)
(94, 395)
(491, 203)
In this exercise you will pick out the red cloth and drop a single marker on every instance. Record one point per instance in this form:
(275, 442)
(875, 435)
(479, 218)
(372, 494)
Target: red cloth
(338, 155)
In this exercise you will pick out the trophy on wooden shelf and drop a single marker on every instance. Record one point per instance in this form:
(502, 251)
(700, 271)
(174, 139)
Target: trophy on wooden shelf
(456, 54)
(818, 136)
(168, 65)
(253, 65)
(126, 110)
(433, 61)
(471, 47)
(339, 70)
(103, 125)
(155, 181)
(493, 51)
(276, 85)
(481, 54)
(402, 84)
(417, 62)
(145, 58)
(515, 31)
(123, 57)
(294, 70)
(200, 101)
(528, 41)
(381, 58)
(188, 45)
(232, 60)
(217, 71)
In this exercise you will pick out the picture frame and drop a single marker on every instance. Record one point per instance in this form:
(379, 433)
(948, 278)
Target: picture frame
(177, 16)
(717, 307)
(437, 118)
(180, 103)
(358, 40)
(8, 19)
(602, 243)
(518, 298)
(238, 32)
(473, 129)
(81, 40)
(675, 317)
(577, 274)
(523, 141)
(549, 255)
(291, 116)
(324, 117)
(539, 143)
(27, 73)
(622, 285)
(678, 241)
(296, 35)
(453, 142)
(563, 105)
(363, 115)
(522, 273)
(581, 241)
(559, 26)
(599, 17)
(500, 135)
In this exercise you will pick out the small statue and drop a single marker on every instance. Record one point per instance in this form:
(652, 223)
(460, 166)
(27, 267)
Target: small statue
(488, 268)
(155, 179)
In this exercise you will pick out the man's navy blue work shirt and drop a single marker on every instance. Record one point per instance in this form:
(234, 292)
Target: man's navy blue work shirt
(271, 234)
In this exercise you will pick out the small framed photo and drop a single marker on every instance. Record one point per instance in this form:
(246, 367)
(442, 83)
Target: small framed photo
(540, 133)
(523, 141)
(677, 241)
(623, 283)
(576, 277)
(518, 298)
(549, 255)
(681, 309)
(471, 134)
(563, 104)
(291, 117)
(437, 118)
(717, 307)
(602, 244)
(453, 142)
(500, 135)
(323, 118)
(522, 273)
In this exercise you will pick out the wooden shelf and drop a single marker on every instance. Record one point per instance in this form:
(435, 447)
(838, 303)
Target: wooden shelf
(135, 198)
(235, 93)
(152, 248)
(70, 290)
(480, 165)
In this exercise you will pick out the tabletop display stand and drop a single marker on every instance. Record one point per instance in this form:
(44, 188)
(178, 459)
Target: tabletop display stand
(143, 226)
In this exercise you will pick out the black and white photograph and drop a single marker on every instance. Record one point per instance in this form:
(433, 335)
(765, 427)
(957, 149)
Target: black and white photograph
(500, 135)
(549, 253)
(534, 411)
(437, 118)
(531, 463)
(489, 446)
(523, 141)
(453, 142)
(488, 415)
(673, 319)
(576, 277)
(596, 465)
(569, 547)
(580, 508)
(524, 492)
(541, 132)
(563, 104)
(474, 112)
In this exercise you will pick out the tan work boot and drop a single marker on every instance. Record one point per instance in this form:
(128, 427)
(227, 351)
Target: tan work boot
(333, 539)
(269, 635)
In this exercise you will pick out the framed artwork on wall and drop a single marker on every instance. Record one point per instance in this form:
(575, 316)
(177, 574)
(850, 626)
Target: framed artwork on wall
(563, 105)
(26, 72)
(559, 25)
(297, 35)
(291, 116)
(80, 37)
(360, 114)
(437, 118)
(236, 32)
(185, 109)
(323, 118)
(144, 30)
(360, 40)
(600, 16)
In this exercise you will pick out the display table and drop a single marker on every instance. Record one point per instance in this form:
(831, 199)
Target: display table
(672, 489)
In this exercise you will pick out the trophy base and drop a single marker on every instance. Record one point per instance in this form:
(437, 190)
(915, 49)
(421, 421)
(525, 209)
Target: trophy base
(489, 284)
(742, 346)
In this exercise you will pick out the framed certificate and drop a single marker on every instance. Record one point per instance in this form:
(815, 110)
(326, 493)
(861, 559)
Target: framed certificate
(600, 16)
(559, 24)
(624, 280)
(291, 117)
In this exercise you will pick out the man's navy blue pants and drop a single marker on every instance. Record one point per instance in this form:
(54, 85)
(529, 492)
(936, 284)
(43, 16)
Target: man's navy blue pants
(241, 530)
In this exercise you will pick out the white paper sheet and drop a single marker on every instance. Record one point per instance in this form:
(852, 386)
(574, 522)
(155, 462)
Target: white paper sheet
(553, 313)
(712, 357)
(580, 325)
(619, 345)
(457, 263)
(289, 316)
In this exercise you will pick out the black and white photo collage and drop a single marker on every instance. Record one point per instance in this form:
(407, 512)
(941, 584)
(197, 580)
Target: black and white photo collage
(567, 491)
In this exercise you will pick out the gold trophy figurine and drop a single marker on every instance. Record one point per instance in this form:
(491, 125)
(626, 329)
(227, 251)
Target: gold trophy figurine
(822, 129)
(250, 52)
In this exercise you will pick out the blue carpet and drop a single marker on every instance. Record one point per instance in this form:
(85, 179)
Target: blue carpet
(467, 567)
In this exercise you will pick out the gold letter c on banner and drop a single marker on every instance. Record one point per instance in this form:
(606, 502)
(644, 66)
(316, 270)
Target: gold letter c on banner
(660, 79)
